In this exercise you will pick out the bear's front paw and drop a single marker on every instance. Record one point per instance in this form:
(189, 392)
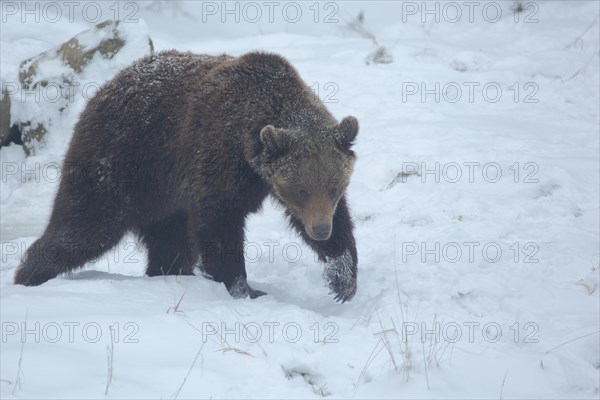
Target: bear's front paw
(340, 273)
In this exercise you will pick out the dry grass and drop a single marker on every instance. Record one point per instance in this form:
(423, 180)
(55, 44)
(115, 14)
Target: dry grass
(357, 26)
(110, 354)
(175, 309)
(198, 355)
(399, 346)
(319, 390)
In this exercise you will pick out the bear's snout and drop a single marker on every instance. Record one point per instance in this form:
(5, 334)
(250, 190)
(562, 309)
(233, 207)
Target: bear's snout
(321, 231)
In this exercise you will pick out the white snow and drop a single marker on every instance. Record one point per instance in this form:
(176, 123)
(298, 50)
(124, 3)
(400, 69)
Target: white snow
(507, 266)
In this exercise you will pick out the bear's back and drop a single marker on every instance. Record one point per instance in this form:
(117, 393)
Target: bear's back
(145, 100)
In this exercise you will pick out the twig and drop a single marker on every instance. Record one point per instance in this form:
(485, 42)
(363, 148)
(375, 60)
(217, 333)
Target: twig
(235, 350)
(396, 274)
(578, 38)
(583, 67)
(370, 359)
(432, 342)
(109, 359)
(199, 354)
(443, 350)
(170, 266)
(236, 314)
(109, 273)
(572, 340)
(176, 308)
(425, 362)
(386, 342)
(18, 379)
(223, 339)
(503, 382)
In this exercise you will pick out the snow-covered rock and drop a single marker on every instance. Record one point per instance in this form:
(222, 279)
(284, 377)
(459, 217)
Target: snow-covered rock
(52, 81)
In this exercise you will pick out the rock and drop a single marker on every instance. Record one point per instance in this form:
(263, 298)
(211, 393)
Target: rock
(8, 133)
(4, 118)
(54, 80)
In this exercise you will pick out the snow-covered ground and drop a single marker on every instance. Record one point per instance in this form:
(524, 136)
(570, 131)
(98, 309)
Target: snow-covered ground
(478, 274)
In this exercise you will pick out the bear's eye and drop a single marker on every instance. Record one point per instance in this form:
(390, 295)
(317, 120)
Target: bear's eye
(302, 194)
(333, 192)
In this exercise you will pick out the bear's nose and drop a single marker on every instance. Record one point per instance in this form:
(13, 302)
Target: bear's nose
(321, 231)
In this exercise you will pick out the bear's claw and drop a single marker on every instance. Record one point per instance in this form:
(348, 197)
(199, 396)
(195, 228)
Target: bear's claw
(343, 294)
(240, 289)
(255, 293)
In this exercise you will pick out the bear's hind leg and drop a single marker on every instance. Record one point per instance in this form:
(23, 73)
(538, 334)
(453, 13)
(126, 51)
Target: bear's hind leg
(70, 240)
(168, 249)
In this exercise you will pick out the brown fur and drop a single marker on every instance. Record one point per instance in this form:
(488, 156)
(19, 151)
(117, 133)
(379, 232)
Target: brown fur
(180, 148)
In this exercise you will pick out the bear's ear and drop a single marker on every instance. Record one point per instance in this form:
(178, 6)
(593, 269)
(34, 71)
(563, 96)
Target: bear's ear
(347, 131)
(277, 142)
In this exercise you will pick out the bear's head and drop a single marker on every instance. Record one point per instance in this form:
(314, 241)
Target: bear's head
(309, 171)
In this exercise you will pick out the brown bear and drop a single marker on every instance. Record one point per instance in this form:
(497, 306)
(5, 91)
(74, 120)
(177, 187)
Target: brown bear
(180, 148)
